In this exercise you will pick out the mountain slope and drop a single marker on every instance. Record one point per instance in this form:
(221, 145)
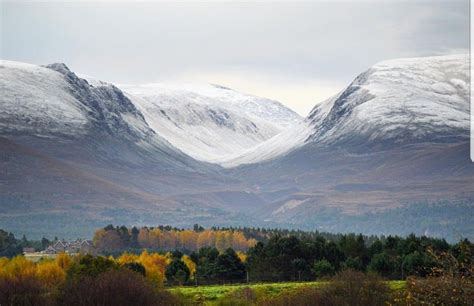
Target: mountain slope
(51, 104)
(70, 150)
(401, 101)
(210, 122)
(396, 136)
(417, 100)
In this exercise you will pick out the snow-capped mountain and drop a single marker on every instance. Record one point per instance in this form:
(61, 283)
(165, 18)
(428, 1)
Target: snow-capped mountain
(396, 136)
(52, 100)
(41, 103)
(90, 151)
(210, 122)
(70, 150)
(403, 101)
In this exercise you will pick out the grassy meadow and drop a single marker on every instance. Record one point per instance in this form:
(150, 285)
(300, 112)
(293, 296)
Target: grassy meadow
(214, 294)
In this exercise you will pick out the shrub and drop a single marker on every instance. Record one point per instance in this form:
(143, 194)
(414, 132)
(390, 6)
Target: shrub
(120, 287)
(355, 288)
(135, 266)
(451, 281)
(50, 273)
(22, 290)
(444, 290)
(90, 266)
(349, 287)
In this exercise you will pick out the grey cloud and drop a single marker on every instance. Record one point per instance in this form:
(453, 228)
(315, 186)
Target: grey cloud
(142, 42)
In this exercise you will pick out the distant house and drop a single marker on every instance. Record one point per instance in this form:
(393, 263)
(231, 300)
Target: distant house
(79, 246)
(50, 250)
(28, 250)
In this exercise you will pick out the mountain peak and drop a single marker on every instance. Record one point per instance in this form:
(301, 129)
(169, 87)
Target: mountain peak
(403, 101)
(221, 87)
(59, 67)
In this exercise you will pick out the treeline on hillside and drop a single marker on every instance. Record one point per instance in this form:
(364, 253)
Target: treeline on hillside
(112, 239)
(263, 234)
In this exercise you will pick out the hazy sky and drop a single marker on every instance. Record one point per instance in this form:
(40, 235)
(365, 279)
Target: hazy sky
(297, 53)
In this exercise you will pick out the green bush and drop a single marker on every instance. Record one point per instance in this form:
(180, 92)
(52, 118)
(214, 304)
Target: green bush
(136, 266)
(323, 268)
(89, 265)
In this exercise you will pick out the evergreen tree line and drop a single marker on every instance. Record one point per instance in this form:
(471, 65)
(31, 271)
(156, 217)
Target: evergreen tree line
(292, 258)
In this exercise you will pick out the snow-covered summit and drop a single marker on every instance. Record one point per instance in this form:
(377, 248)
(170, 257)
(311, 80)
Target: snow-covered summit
(416, 99)
(210, 122)
(37, 100)
(50, 101)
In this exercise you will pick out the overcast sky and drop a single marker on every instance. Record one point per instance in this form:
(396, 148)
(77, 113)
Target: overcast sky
(298, 53)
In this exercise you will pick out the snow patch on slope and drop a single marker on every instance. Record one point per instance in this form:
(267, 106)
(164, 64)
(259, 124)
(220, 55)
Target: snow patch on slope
(37, 100)
(289, 205)
(209, 122)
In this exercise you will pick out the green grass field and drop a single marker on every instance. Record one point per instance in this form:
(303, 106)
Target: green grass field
(209, 294)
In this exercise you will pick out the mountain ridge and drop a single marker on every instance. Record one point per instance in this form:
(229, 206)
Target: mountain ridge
(86, 150)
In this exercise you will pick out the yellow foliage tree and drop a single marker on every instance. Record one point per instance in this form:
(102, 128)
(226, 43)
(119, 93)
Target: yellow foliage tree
(155, 266)
(190, 264)
(50, 273)
(18, 267)
(127, 258)
(3, 262)
(242, 256)
(63, 260)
